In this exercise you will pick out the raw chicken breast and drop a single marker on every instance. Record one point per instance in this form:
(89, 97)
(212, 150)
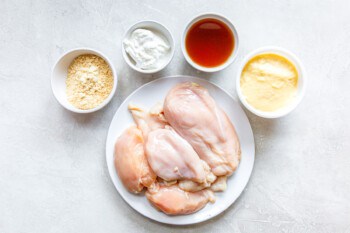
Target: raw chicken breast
(174, 201)
(169, 155)
(191, 186)
(172, 158)
(148, 121)
(130, 161)
(193, 113)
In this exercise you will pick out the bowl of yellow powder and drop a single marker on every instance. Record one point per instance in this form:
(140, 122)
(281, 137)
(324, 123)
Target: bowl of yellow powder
(83, 80)
(271, 82)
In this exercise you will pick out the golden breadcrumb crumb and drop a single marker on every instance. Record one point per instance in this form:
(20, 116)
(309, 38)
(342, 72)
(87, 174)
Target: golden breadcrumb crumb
(89, 81)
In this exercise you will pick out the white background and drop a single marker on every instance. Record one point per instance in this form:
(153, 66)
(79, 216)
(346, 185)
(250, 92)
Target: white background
(53, 174)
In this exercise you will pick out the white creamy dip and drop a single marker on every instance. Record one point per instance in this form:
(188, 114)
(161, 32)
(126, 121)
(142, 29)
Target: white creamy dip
(146, 48)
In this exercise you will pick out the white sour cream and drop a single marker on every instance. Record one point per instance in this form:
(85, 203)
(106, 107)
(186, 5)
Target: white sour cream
(146, 48)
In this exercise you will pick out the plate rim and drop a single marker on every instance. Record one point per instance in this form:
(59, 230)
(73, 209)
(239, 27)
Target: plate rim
(195, 221)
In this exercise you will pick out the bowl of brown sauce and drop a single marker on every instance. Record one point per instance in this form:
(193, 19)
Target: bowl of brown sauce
(210, 42)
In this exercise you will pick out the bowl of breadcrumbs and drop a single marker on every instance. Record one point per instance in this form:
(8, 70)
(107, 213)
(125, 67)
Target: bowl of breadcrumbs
(83, 80)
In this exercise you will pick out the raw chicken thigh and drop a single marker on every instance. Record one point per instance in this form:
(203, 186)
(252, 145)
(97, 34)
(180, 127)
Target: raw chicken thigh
(174, 201)
(172, 157)
(130, 161)
(193, 113)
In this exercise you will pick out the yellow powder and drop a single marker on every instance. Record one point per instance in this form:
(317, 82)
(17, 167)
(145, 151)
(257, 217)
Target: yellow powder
(269, 82)
(89, 81)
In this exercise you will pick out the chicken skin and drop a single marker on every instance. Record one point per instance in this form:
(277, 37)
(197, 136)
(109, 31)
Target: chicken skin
(195, 116)
(174, 201)
(130, 161)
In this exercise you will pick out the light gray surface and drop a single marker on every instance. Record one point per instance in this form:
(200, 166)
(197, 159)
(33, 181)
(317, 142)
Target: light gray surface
(53, 174)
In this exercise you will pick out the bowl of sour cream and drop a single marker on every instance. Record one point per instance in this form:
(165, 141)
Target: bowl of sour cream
(271, 82)
(148, 47)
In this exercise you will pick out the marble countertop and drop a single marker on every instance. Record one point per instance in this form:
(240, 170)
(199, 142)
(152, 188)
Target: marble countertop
(53, 173)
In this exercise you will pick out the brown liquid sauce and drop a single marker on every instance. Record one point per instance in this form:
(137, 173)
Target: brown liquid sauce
(209, 42)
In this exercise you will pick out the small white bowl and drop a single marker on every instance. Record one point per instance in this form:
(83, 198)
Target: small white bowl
(301, 82)
(225, 21)
(160, 30)
(59, 75)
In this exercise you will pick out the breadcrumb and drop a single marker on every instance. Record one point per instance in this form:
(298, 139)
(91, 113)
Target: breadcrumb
(89, 81)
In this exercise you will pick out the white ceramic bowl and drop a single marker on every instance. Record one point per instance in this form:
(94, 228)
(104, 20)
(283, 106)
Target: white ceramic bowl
(301, 82)
(59, 75)
(225, 21)
(160, 30)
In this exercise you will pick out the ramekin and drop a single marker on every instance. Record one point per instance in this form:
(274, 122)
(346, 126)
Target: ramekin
(301, 82)
(161, 30)
(224, 20)
(59, 75)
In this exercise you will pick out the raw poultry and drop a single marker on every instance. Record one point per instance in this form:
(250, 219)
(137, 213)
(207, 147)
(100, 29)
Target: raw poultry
(188, 143)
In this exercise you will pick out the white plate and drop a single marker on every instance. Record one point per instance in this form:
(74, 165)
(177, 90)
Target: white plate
(148, 95)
